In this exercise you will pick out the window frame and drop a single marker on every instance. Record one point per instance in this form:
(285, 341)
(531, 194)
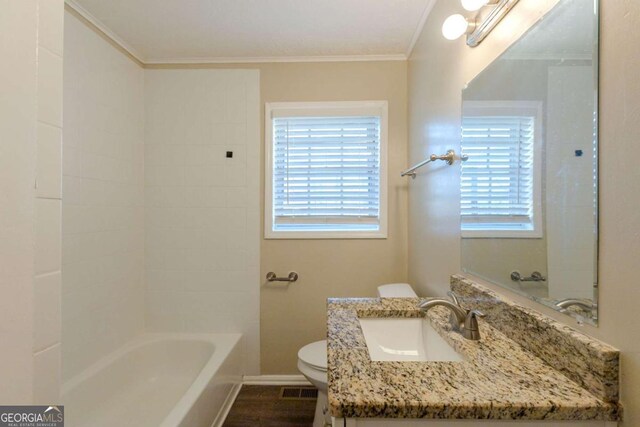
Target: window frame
(513, 108)
(328, 109)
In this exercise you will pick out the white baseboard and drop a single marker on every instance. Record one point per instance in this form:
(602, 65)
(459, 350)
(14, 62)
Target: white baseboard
(226, 406)
(275, 380)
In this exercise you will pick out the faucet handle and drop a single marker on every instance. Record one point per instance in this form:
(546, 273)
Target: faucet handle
(454, 297)
(452, 317)
(476, 313)
(471, 330)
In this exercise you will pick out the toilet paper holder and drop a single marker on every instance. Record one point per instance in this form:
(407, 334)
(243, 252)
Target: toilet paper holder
(292, 277)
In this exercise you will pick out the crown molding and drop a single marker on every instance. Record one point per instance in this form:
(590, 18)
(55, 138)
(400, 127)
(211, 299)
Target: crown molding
(97, 25)
(423, 20)
(271, 59)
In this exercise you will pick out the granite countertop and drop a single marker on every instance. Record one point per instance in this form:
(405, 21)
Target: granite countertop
(497, 380)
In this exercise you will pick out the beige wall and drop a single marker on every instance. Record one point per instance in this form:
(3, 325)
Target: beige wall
(292, 316)
(434, 111)
(295, 315)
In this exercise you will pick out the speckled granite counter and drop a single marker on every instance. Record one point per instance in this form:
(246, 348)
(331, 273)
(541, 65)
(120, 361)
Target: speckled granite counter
(497, 380)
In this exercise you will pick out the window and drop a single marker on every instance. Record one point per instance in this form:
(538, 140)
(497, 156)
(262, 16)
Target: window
(500, 181)
(326, 171)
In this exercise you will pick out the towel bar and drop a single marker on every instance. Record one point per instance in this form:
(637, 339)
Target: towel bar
(448, 157)
(292, 277)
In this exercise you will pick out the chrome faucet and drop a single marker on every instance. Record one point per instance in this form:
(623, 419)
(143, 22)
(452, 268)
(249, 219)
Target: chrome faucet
(463, 321)
(584, 304)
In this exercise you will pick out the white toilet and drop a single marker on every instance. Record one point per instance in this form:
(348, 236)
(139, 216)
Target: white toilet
(312, 358)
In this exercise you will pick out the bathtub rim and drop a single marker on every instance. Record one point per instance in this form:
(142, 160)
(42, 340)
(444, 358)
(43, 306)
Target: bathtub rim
(224, 344)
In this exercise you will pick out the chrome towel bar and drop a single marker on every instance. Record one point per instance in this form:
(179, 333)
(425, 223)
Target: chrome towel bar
(536, 276)
(449, 157)
(292, 277)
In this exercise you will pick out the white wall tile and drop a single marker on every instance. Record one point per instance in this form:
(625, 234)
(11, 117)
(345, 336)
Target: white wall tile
(48, 235)
(201, 268)
(49, 88)
(232, 178)
(220, 131)
(236, 134)
(46, 376)
(204, 155)
(251, 343)
(236, 106)
(50, 29)
(27, 229)
(72, 162)
(103, 203)
(204, 196)
(236, 197)
(48, 239)
(16, 364)
(46, 297)
(49, 160)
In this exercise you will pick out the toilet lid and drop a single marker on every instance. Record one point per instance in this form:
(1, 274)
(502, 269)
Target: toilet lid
(315, 355)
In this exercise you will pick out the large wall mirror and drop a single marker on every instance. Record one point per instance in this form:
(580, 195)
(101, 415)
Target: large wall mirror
(529, 187)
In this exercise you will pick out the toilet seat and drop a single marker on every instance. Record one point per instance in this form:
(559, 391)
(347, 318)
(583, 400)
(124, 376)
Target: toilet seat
(312, 358)
(396, 290)
(314, 355)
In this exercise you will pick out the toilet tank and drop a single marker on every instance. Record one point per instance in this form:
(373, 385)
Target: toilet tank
(396, 290)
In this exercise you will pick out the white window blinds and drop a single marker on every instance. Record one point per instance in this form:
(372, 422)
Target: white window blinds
(497, 182)
(326, 173)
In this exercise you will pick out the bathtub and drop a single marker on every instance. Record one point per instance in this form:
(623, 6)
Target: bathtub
(158, 380)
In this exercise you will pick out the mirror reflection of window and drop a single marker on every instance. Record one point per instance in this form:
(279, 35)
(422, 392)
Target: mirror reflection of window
(529, 191)
(500, 181)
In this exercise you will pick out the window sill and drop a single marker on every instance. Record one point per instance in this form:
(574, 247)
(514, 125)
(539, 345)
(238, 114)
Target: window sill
(501, 234)
(312, 235)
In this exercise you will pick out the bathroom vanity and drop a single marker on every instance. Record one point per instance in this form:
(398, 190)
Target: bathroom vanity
(526, 367)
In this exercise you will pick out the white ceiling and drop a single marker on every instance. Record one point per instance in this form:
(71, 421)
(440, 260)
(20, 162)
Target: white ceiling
(253, 30)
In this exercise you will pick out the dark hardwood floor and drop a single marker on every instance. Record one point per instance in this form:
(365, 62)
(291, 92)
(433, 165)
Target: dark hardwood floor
(261, 406)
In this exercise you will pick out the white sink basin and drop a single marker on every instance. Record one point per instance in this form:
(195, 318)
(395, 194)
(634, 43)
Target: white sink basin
(405, 339)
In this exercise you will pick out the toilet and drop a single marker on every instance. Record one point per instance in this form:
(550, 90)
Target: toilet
(312, 358)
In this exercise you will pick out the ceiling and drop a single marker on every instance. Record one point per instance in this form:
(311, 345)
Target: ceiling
(157, 31)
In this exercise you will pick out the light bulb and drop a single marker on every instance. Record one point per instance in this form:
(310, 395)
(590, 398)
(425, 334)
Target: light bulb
(454, 26)
(473, 5)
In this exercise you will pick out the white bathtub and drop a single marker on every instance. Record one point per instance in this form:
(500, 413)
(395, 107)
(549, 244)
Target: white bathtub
(158, 380)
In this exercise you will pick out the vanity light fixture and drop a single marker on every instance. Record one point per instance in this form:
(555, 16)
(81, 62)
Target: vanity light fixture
(473, 5)
(490, 13)
(455, 26)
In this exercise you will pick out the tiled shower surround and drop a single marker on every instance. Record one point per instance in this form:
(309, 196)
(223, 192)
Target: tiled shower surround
(103, 199)
(160, 227)
(202, 203)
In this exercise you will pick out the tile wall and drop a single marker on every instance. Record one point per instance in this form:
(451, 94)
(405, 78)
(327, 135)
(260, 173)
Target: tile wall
(48, 204)
(30, 200)
(18, 119)
(202, 206)
(103, 186)
(570, 219)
